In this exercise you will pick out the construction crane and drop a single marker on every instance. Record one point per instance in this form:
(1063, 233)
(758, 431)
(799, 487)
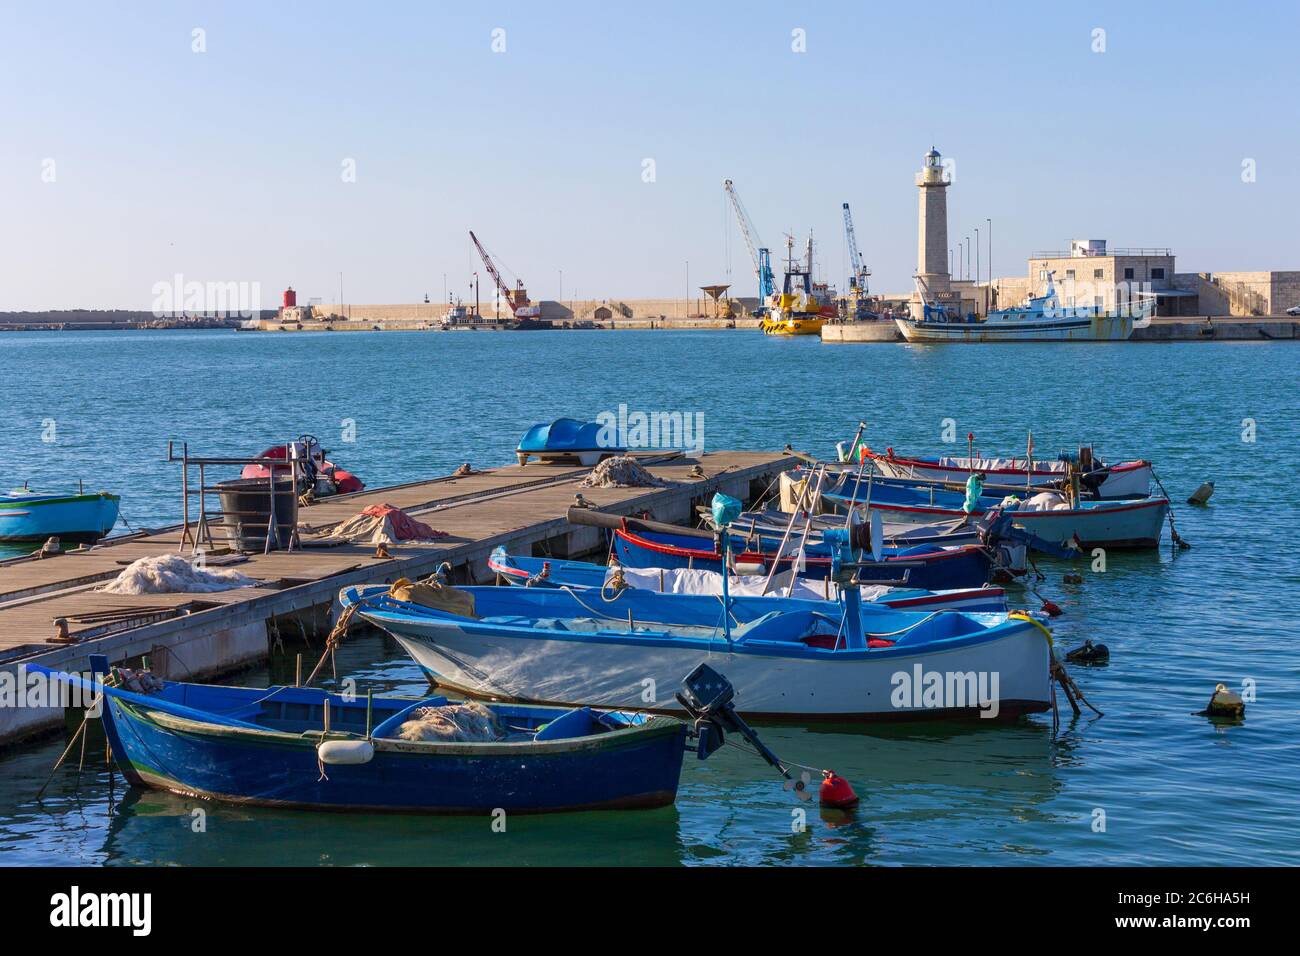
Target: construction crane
(760, 254)
(516, 298)
(858, 270)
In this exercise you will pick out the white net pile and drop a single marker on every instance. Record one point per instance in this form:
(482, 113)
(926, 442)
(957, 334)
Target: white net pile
(173, 574)
(621, 471)
(470, 721)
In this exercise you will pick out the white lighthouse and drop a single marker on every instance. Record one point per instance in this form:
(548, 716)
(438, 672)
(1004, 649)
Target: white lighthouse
(932, 226)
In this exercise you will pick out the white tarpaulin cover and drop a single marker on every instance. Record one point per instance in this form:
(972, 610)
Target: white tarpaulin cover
(699, 581)
(1001, 464)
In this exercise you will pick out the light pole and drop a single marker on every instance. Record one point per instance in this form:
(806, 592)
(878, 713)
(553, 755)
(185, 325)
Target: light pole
(968, 257)
(687, 309)
(989, 222)
(977, 256)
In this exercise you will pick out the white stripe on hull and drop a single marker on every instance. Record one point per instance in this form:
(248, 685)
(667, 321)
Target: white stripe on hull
(615, 675)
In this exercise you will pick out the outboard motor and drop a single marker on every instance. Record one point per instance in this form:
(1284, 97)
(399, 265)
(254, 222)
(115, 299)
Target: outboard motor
(708, 697)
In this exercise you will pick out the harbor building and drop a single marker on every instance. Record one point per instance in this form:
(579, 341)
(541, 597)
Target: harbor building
(1090, 273)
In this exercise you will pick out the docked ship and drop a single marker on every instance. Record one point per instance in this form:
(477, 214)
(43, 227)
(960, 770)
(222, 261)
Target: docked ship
(802, 306)
(1041, 319)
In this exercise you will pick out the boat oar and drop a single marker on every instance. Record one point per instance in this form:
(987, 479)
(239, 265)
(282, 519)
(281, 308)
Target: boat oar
(72, 743)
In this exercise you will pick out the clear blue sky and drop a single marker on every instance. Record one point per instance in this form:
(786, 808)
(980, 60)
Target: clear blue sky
(226, 165)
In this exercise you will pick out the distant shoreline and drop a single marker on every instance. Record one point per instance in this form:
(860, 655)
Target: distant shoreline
(1273, 328)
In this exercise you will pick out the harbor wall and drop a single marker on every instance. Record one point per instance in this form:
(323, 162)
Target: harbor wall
(607, 311)
(1219, 328)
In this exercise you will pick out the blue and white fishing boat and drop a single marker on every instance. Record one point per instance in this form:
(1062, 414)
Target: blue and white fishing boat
(789, 660)
(306, 748)
(80, 518)
(1046, 515)
(1124, 479)
(521, 571)
(567, 439)
(932, 567)
(1042, 319)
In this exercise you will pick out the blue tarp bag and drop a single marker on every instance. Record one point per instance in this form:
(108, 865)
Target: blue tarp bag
(726, 509)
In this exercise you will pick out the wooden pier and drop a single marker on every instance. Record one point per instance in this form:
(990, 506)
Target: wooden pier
(188, 636)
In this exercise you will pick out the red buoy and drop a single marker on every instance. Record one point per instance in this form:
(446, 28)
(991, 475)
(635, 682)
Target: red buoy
(1052, 608)
(836, 792)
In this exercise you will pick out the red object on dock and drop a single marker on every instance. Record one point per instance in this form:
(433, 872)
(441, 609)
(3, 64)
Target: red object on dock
(836, 792)
(290, 298)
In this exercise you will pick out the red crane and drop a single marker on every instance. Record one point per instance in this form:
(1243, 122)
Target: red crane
(517, 298)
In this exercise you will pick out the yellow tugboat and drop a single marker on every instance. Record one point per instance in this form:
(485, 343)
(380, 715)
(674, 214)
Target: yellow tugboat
(797, 309)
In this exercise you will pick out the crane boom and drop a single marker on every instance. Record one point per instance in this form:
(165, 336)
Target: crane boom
(858, 271)
(747, 230)
(758, 253)
(492, 271)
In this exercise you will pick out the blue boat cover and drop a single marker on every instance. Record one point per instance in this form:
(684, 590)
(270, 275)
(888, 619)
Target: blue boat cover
(566, 434)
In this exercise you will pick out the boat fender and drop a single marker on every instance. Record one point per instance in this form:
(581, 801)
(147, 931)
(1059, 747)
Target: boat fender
(1225, 703)
(746, 567)
(1201, 495)
(1089, 653)
(836, 792)
(345, 752)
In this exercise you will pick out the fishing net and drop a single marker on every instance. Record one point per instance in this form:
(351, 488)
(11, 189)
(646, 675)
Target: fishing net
(1045, 501)
(470, 721)
(621, 471)
(173, 574)
(383, 524)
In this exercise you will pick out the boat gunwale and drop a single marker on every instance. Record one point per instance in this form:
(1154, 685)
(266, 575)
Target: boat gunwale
(655, 726)
(946, 552)
(936, 464)
(790, 650)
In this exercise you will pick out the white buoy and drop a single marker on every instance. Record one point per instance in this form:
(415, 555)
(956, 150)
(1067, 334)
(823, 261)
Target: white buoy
(345, 752)
(1202, 494)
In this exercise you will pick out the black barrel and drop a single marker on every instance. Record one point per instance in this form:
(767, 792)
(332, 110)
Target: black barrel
(246, 511)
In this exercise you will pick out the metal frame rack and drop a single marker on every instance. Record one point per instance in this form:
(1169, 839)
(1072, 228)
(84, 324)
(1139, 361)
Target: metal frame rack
(200, 531)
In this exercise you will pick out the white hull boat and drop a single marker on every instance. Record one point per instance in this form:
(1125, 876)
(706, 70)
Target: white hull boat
(541, 645)
(1126, 479)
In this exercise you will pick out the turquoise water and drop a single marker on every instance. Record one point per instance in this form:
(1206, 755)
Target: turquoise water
(1174, 787)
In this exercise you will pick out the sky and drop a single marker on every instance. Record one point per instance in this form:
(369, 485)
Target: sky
(586, 143)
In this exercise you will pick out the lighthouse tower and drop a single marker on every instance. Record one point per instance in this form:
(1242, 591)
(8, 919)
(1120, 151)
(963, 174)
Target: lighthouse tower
(932, 248)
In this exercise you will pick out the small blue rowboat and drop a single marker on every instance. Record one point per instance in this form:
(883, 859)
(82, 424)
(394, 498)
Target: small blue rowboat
(29, 516)
(305, 748)
(523, 571)
(567, 439)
